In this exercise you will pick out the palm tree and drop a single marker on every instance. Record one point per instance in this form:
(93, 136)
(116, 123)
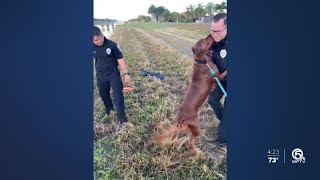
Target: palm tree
(190, 11)
(224, 6)
(152, 10)
(221, 7)
(159, 12)
(200, 11)
(210, 8)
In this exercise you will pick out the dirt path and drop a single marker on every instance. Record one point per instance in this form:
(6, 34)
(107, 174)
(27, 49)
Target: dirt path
(181, 44)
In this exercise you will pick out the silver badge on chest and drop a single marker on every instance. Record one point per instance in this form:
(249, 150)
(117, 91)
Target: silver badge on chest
(223, 53)
(108, 51)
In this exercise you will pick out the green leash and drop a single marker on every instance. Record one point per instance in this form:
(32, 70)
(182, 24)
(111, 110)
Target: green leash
(213, 73)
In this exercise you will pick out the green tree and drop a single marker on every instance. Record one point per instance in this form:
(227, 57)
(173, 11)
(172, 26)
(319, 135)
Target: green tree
(190, 12)
(152, 10)
(182, 19)
(222, 7)
(159, 12)
(143, 18)
(166, 15)
(200, 11)
(210, 8)
(148, 19)
(175, 17)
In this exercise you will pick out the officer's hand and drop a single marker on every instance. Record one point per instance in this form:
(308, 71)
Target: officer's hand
(220, 78)
(214, 86)
(127, 78)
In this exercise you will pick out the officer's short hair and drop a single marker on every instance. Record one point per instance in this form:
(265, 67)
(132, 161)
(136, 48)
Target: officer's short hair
(220, 16)
(96, 31)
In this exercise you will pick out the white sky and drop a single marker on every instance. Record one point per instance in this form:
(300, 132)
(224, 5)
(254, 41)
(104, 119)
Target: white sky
(123, 10)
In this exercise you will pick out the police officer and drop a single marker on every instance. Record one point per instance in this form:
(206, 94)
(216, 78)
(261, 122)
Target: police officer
(219, 57)
(108, 55)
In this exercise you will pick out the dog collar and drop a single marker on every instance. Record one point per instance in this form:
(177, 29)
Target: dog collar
(201, 61)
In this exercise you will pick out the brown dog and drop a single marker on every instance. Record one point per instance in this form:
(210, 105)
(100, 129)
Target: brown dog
(187, 118)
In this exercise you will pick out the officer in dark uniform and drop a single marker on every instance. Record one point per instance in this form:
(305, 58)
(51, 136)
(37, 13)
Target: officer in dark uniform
(108, 56)
(219, 57)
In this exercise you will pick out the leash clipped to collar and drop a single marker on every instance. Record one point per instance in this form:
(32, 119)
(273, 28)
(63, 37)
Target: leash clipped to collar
(213, 73)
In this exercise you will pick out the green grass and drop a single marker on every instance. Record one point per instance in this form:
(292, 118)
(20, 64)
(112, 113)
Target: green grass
(146, 25)
(128, 152)
(187, 30)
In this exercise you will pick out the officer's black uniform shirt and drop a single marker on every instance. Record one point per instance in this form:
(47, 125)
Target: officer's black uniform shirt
(219, 55)
(106, 56)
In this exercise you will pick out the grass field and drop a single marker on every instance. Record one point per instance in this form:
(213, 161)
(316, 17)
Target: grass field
(127, 152)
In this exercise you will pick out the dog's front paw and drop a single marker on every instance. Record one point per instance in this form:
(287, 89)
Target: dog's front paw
(157, 138)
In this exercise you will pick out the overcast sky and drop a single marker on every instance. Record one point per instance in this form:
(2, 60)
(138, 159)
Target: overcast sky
(123, 10)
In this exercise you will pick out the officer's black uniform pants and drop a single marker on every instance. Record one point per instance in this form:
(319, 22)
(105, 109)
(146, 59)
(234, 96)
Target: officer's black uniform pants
(214, 101)
(107, 80)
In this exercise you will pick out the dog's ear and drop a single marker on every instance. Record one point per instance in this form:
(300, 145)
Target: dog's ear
(210, 40)
(193, 49)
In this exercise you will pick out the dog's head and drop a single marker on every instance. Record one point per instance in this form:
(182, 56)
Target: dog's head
(201, 49)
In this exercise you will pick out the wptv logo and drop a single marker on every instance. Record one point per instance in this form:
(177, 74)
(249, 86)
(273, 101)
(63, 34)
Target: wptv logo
(297, 155)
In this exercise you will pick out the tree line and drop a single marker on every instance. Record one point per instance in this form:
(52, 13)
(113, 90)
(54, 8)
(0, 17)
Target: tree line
(192, 13)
